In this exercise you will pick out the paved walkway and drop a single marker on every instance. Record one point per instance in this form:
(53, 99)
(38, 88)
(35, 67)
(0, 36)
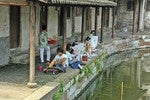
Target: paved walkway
(14, 93)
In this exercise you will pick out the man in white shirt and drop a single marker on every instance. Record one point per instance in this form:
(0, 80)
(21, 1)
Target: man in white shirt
(60, 60)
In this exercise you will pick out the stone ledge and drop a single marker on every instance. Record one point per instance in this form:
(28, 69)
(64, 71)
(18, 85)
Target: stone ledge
(42, 92)
(71, 90)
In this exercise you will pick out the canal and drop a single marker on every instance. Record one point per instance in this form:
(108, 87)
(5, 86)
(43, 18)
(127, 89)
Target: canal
(125, 77)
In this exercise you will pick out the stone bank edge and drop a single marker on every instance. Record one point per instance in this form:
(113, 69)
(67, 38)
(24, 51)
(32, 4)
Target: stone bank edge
(68, 90)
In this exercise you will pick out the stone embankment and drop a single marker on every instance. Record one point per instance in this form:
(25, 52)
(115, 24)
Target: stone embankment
(69, 85)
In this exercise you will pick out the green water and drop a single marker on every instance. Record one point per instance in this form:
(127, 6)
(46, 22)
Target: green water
(126, 80)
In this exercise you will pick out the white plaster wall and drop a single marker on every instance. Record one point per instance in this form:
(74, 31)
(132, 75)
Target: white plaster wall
(25, 27)
(99, 19)
(4, 21)
(69, 24)
(69, 27)
(4, 35)
(110, 18)
(142, 11)
(25, 32)
(52, 21)
(93, 19)
(147, 20)
(78, 24)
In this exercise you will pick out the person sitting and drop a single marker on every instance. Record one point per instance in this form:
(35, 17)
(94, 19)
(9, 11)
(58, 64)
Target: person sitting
(88, 46)
(73, 61)
(93, 40)
(60, 60)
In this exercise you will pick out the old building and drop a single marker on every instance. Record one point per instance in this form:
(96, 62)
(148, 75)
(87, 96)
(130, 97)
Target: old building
(132, 11)
(15, 31)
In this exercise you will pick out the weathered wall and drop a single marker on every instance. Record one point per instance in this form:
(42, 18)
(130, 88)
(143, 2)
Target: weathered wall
(69, 27)
(21, 54)
(99, 19)
(142, 12)
(52, 21)
(92, 19)
(25, 36)
(78, 24)
(69, 24)
(110, 18)
(4, 35)
(147, 20)
(25, 27)
(124, 17)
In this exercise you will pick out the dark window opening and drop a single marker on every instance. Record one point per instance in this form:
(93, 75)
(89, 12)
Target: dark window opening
(14, 26)
(43, 16)
(60, 22)
(98, 11)
(130, 5)
(148, 6)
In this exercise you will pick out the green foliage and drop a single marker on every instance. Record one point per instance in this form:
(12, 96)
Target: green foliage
(88, 70)
(75, 80)
(59, 94)
(98, 64)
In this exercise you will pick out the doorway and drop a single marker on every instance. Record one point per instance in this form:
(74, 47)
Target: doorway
(14, 26)
(43, 16)
(60, 22)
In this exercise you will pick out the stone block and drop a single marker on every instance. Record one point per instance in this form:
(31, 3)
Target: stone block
(4, 51)
(20, 58)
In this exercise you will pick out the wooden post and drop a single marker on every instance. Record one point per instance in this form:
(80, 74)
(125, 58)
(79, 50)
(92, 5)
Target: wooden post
(96, 16)
(73, 20)
(102, 25)
(64, 28)
(113, 22)
(83, 24)
(135, 17)
(32, 46)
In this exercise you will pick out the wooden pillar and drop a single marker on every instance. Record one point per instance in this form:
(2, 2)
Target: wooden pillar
(96, 17)
(113, 22)
(102, 24)
(83, 24)
(73, 20)
(64, 28)
(32, 46)
(135, 17)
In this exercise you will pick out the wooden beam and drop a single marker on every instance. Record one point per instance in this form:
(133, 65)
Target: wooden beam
(32, 45)
(21, 3)
(96, 17)
(64, 9)
(113, 22)
(102, 24)
(83, 24)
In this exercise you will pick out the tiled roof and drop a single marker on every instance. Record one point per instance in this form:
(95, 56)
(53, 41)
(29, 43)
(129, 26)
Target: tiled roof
(80, 2)
(13, 2)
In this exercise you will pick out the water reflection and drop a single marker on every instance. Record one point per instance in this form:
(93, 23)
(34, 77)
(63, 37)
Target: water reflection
(126, 80)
